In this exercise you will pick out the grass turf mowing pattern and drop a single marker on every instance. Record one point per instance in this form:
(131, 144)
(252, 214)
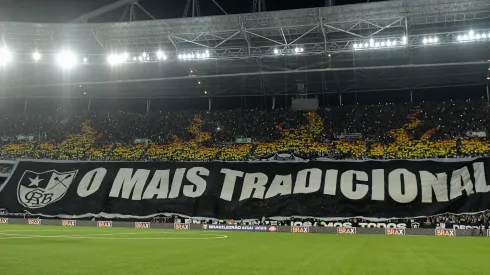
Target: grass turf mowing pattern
(239, 254)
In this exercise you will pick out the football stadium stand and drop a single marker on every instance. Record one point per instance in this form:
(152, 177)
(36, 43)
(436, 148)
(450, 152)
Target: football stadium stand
(385, 131)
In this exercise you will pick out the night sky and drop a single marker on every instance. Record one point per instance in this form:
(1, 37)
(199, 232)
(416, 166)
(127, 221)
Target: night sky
(60, 11)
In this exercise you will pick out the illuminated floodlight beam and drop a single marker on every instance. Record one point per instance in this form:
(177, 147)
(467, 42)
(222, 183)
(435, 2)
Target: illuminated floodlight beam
(36, 56)
(6, 56)
(116, 59)
(161, 56)
(66, 60)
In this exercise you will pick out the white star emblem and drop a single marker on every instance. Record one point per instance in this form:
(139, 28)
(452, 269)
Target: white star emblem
(35, 182)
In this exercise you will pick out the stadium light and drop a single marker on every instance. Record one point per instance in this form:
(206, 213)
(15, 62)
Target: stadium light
(430, 40)
(85, 60)
(36, 56)
(5, 56)
(66, 60)
(276, 51)
(472, 36)
(116, 59)
(189, 56)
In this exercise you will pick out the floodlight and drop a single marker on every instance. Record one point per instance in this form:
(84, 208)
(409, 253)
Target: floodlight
(125, 56)
(465, 37)
(460, 37)
(371, 41)
(160, 55)
(383, 43)
(276, 51)
(471, 34)
(404, 38)
(135, 58)
(110, 59)
(207, 52)
(85, 60)
(179, 56)
(365, 45)
(5, 56)
(296, 50)
(376, 44)
(484, 35)
(301, 49)
(355, 46)
(66, 60)
(36, 56)
(478, 36)
(436, 39)
(114, 59)
(140, 58)
(425, 41)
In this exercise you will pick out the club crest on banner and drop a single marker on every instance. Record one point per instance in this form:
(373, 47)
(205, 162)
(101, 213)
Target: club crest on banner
(415, 225)
(37, 190)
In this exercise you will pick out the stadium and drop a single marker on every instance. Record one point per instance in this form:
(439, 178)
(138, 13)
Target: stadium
(301, 137)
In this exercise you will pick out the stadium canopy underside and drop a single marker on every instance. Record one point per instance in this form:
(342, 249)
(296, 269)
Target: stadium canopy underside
(260, 53)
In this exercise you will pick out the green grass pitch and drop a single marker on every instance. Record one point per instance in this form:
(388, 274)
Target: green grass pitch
(39, 250)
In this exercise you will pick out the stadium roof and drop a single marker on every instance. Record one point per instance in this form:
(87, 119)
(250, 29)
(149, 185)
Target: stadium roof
(265, 53)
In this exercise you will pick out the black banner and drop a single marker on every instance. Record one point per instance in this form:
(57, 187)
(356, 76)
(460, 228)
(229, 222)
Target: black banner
(483, 226)
(225, 190)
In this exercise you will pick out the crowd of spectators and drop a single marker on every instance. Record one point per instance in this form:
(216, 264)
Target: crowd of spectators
(384, 131)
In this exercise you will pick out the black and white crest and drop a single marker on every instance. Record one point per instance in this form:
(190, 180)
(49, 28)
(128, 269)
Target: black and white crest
(37, 190)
